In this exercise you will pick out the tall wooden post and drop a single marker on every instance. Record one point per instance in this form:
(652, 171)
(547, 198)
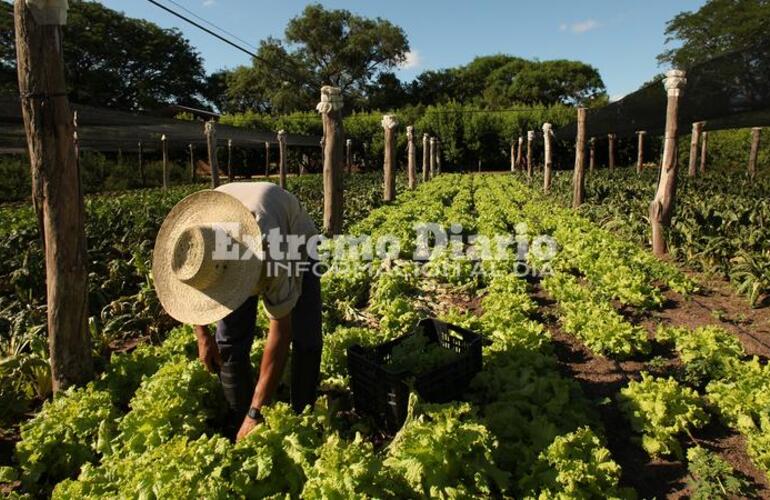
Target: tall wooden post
(56, 192)
(578, 179)
(192, 163)
(348, 157)
(211, 144)
(592, 154)
(141, 166)
(389, 124)
(425, 158)
(611, 151)
(282, 158)
(662, 206)
(230, 173)
(267, 159)
(519, 153)
(513, 156)
(704, 152)
(530, 138)
(755, 135)
(164, 150)
(640, 150)
(438, 155)
(548, 160)
(330, 108)
(697, 128)
(432, 156)
(411, 160)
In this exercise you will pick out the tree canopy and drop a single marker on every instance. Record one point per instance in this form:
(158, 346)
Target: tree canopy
(720, 26)
(116, 61)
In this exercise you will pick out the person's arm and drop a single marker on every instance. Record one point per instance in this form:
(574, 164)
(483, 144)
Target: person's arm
(208, 352)
(271, 368)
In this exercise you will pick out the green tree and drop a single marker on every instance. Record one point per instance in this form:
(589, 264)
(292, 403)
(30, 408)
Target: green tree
(718, 27)
(116, 61)
(321, 47)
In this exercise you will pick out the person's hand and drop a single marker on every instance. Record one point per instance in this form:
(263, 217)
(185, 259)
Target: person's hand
(208, 352)
(246, 427)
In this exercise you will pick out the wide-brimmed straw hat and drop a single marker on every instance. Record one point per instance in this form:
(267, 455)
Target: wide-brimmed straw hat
(207, 259)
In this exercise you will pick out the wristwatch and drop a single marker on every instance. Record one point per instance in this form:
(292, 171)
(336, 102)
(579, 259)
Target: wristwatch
(254, 413)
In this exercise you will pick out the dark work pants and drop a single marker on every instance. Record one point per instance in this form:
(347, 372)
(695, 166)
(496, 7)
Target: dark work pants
(235, 334)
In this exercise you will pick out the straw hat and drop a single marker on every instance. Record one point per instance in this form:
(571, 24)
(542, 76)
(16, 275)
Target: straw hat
(206, 261)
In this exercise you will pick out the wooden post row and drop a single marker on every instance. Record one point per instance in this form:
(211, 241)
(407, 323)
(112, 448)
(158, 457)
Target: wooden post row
(519, 153)
(267, 159)
(592, 154)
(548, 161)
(425, 158)
(704, 152)
(56, 191)
(192, 162)
(697, 128)
(432, 157)
(330, 108)
(755, 136)
(438, 155)
(389, 124)
(611, 151)
(164, 149)
(640, 151)
(411, 153)
(662, 206)
(530, 138)
(230, 173)
(211, 146)
(578, 179)
(282, 158)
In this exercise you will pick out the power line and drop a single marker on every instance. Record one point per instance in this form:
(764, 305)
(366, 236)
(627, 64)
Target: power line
(212, 24)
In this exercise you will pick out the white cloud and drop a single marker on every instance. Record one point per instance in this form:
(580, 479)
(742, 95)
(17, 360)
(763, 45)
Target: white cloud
(209, 3)
(580, 27)
(412, 61)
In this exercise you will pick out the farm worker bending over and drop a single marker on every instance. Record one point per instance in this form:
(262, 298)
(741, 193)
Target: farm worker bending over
(216, 253)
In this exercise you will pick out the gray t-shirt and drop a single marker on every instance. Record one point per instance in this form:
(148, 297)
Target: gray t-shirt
(275, 209)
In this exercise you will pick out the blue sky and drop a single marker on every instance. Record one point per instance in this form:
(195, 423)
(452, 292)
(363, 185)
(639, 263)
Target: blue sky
(619, 37)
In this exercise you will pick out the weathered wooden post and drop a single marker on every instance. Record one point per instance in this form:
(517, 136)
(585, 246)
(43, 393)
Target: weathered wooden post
(662, 206)
(411, 160)
(704, 152)
(432, 156)
(230, 173)
(348, 157)
(141, 166)
(697, 128)
(513, 157)
(192, 163)
(282, 158)
(56, 191)
(519, 153)
(578, 179)
(164, 150)
(548, 160)
(438, 155)
(330, 108)
(611, 151)
(640, 150)
(211, 145)
(389, 124)
(755, 135)
(425, 158)
(592, 154)
(530, 138)
(267, 159)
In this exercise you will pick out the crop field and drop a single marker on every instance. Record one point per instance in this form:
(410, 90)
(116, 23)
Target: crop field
(588, 389)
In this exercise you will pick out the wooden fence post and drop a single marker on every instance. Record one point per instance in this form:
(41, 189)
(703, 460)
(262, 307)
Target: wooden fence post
(348, 157)
(697, 127)
(330, 108)
(438, 155)
(192, 163)
(432, 156)
(164, 150)
(56, 191)
(530, 138)
(662, 206)
(611, 151)
(755, 135)
(578, 180)
(389, 124)
(282, 158)
(267, 159)
(640, 150)
(211, 144)
(704, 152)
(592, 154)
(513, 156)
(519, 153)
(141, 166)
(548, 160)
(425, 158)
(230, 175)
(411, 153)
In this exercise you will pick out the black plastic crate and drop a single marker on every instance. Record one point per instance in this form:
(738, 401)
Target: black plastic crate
(384, 393)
